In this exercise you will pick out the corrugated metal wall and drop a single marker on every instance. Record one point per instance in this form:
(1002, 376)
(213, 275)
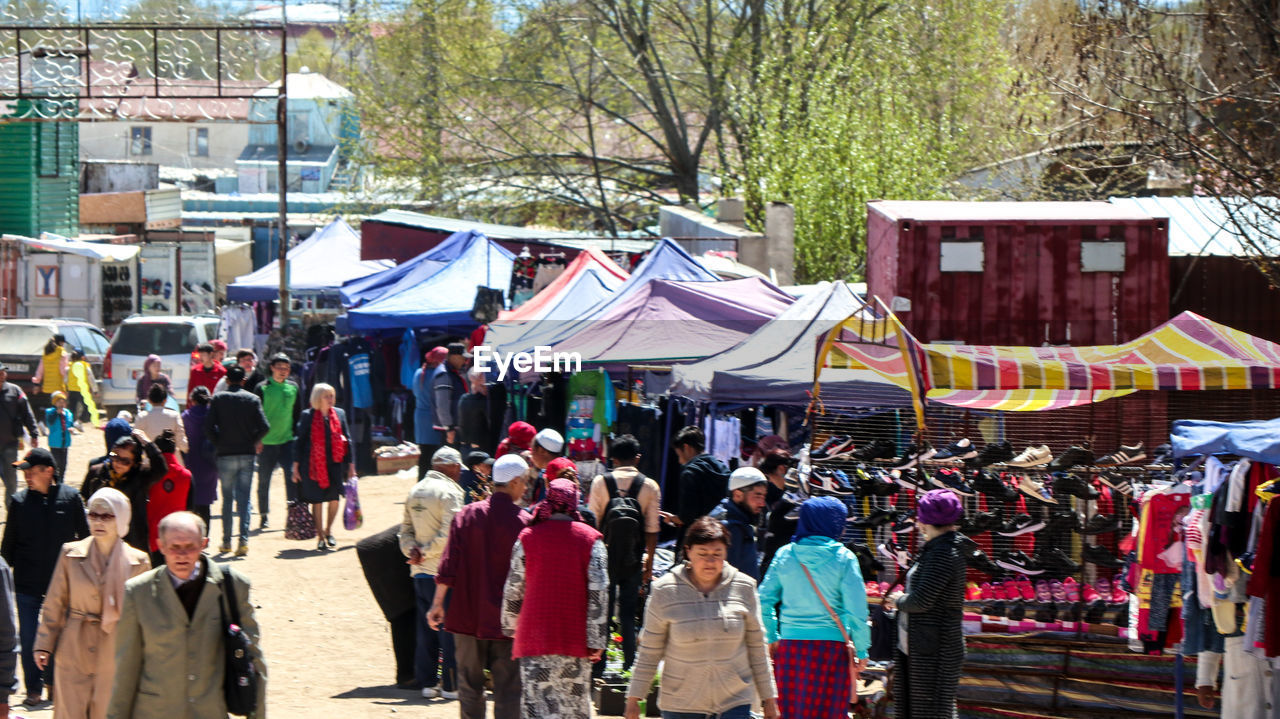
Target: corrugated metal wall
(39, 178)
(1228, 290)
(1031, 290)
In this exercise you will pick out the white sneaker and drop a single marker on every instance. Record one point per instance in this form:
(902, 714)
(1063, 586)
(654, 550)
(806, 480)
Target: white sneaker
(448, 694)
(430, 692)
(1032, 457)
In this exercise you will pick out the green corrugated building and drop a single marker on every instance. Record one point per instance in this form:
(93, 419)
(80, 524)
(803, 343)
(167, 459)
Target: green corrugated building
(39, 172)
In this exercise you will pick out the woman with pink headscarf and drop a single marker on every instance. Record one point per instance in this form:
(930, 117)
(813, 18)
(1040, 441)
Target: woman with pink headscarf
(151, 374)
(554, 605)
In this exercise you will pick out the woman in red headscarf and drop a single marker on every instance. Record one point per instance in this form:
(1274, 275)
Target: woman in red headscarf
(554, 605)
(519, 438)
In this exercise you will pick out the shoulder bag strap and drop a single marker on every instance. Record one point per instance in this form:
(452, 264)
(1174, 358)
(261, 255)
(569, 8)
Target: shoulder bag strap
(229, 598)
(832, 612)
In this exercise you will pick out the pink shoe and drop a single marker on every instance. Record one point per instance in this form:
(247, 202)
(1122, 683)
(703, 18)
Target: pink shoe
(1071, 589)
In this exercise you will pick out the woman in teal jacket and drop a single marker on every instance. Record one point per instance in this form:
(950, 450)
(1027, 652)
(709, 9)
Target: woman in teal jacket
(810, 661)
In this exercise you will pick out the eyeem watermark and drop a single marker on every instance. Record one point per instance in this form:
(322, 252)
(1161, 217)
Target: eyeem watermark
(541, 359)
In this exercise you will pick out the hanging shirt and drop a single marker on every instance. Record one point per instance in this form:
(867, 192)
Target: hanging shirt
(724, 437)
(596, 384)
(1160, 530)
(238, 327)
(358, 380)
(409, 360)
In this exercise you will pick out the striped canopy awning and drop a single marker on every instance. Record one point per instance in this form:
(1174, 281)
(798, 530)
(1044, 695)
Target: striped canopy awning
(1188, 352)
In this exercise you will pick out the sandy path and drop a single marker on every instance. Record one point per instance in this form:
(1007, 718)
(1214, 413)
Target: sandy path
(328, 648)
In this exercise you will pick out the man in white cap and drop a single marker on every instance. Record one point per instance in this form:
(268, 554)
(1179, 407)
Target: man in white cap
(471, 575)
(428, 513)
(740, 515)
(548, 444)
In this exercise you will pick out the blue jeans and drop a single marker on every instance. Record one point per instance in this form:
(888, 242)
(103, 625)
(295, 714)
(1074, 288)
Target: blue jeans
(236, 474)
(738, 712)
(28, 624)
(429, 669)
(272, 456)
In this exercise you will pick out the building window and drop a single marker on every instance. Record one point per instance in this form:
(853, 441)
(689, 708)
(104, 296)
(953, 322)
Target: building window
(962, 256)
(139, 141)
(198, 142)
(1102, 256)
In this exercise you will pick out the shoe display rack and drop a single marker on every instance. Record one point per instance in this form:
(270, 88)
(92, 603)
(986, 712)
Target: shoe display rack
(1045, 533)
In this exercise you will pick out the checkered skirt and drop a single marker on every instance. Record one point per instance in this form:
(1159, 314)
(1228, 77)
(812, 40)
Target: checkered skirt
(813, 679)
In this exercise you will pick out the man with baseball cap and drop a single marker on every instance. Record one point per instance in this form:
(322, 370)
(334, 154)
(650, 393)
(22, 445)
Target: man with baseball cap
(425, 434)
(15, 416)
(448, 386)
(41, 518)
(428, 514)
(471, 574)
(740, 514)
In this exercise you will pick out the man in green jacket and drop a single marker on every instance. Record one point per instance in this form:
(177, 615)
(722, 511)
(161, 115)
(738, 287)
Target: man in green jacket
(282, 403)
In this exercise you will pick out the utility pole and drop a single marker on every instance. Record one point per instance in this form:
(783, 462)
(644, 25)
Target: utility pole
(282, 162)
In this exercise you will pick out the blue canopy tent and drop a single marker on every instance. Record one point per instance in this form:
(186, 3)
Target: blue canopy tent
(321, 263)
(667, 261)
(443, 301)
(407, 274)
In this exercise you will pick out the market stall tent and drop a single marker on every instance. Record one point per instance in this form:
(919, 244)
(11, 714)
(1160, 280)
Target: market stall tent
(407, 274)
(589, 279)
(667, 261)
(443, 301)
(774, 365)
(671, 320)
(319, 264)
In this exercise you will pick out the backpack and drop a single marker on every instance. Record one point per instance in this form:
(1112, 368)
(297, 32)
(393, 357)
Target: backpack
(623, 528)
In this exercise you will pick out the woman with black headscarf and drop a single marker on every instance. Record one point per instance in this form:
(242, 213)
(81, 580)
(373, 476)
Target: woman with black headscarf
(810, 583)
(554, 605)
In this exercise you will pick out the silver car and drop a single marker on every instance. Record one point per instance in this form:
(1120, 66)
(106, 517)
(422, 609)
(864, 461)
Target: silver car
(173, 338)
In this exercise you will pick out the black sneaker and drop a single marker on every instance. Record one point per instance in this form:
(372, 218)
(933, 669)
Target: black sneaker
(876, 518)
(911, 479)
(994, 453)
(1095, 612)
(914, 454)
(992, 486)
(906, 524)
(875, 449)
(826, 482)
(1056, 562)
(1124, 455)
(1099, 556)
(1063, 520)
(984, 522)
(1163, 454)
(867, 561)
(892, 552)
(959, 451)
(978, 560)
(1074, 456)
(1018, 562)
(834, 445)
(952, 479)
(1020, 524)
(1118, 482)
(874, 483)
(1065, 483)
(1100, 524)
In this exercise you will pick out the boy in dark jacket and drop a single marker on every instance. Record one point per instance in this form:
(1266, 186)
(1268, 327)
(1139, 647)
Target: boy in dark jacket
(704, 480)
(740, 515)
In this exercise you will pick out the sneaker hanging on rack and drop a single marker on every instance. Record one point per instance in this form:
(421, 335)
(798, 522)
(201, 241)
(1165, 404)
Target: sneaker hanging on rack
(1066, 483)
(1019, 525)
(835, 445)
(959, 451)
(991, 485)
(905, 524)
(952, 479)
(875, 449)
(1074, 456)
(891, 551)
(1118, 482)
(913, 455)
(1036, 490)
(876, 518)
(1018, 562)
(1100, 524)
(911, 479)
(984, 522)
(1099, 556)
(1124, 455)
(994, 453)
(1032, 457)
(1056, 561)
(1063, 520)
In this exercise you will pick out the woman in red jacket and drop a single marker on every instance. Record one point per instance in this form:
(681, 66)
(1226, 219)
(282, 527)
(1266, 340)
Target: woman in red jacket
(554, 604)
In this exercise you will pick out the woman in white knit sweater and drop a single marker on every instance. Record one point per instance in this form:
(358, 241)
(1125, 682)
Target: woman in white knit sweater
(703, 622)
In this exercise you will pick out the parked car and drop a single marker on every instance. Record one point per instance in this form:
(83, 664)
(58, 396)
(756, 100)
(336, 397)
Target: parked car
(172, 338)
(22, 344)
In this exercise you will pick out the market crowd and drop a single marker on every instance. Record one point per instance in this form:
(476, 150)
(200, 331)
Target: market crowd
(517, 566)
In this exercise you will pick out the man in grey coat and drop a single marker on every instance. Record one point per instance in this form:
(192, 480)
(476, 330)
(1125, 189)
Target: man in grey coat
(172, 664)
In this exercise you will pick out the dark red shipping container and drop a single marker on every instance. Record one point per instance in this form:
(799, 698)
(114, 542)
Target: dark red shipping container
(1019, 273)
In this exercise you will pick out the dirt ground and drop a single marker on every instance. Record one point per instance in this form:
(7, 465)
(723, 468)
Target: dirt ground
(327, 646)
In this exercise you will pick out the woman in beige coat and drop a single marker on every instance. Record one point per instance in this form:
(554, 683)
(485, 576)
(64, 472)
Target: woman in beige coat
(81, 609)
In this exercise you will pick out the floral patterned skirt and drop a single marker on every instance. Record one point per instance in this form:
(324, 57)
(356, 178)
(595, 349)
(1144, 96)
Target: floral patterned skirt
(555, 687)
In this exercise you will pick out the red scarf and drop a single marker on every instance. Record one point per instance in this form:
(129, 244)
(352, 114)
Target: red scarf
(319, 465)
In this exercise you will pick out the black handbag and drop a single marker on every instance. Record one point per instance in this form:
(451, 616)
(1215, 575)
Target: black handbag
(240, 685)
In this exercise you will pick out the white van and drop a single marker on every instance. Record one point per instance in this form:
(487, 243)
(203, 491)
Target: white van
(172, 338)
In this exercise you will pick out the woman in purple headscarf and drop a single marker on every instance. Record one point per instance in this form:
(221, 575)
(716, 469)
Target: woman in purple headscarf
(151, 374)
(554, 605)
(930, 614)
(811, 657)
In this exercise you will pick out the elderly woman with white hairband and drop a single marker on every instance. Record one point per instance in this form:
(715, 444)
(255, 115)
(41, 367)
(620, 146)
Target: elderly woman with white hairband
(82, 607)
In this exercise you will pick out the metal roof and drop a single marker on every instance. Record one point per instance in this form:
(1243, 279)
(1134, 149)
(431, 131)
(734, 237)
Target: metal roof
(1203, 225)
(947, 211)
(508, 232)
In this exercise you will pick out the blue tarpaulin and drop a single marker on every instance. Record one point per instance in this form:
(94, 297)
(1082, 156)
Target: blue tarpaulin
(1258, 440)
(320, 263)
(443, 301)
(406, 274)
